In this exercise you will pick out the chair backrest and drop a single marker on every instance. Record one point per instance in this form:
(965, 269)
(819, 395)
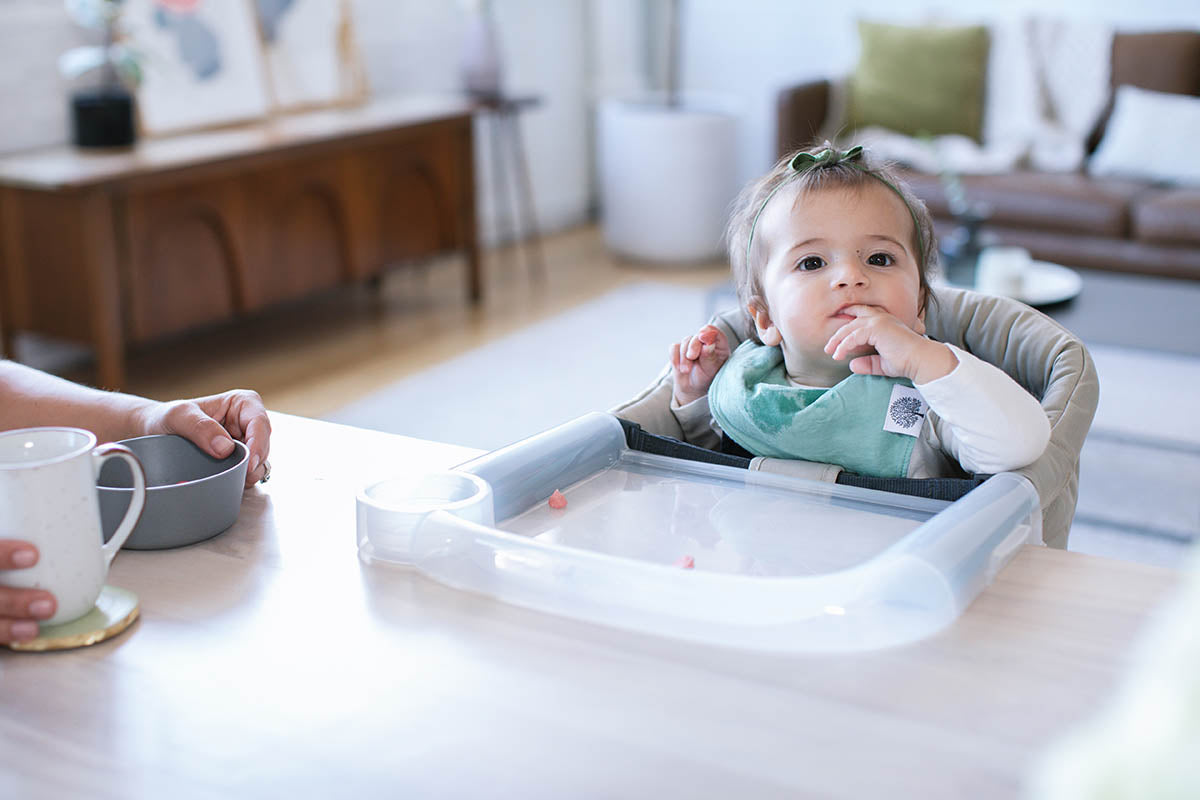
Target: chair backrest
(1041, 355)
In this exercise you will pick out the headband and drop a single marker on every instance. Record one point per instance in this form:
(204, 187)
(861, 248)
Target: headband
(829, 157)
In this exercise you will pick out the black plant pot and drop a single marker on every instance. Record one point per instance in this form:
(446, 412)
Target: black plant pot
(102, 118)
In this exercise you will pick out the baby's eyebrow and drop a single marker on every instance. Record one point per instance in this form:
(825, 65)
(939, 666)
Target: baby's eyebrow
(887, 238)
(806, 243)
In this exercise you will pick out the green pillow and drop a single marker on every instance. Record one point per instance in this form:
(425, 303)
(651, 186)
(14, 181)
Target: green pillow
(926, 80)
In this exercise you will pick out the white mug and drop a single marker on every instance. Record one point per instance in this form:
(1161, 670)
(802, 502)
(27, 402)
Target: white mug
(48, 497)
(1002, 271)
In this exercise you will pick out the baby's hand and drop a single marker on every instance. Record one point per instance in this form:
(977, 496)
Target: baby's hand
(900, 351)
(695, 362)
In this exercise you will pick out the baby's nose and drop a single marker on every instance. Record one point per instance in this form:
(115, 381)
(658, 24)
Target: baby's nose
(848, 273)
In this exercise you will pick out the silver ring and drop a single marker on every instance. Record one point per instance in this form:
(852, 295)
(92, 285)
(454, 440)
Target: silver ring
(266, 472)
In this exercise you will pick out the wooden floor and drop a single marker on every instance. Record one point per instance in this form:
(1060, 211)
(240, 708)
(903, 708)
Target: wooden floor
(316, 356)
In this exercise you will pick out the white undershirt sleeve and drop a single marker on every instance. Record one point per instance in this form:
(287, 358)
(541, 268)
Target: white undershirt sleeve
(989, 422)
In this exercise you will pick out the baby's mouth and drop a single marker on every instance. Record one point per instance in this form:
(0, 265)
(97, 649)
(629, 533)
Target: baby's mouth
(842, 314)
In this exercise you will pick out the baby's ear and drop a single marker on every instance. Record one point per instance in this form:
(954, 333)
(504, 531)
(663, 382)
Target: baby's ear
(768, 334)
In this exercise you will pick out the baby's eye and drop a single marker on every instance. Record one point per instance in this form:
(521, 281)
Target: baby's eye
(880, 260)
(809, 263)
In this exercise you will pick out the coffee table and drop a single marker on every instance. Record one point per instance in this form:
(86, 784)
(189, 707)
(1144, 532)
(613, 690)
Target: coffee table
(269, 662)
(1044, 284)
(1135, 311)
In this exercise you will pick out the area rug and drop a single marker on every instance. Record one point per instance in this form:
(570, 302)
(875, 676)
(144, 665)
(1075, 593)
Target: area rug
(587, 358)
(1139, 472)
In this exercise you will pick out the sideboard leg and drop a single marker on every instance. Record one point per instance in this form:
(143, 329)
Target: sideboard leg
(100, 272)
(11, 263)
(468, 221)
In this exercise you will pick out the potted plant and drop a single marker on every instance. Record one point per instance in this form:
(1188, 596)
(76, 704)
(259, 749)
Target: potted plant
(667, 167)
(102, 115)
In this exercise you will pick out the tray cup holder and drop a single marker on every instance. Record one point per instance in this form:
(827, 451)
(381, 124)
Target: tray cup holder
(390, 511)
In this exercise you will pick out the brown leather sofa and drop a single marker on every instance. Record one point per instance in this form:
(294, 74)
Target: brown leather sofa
(1068, 218)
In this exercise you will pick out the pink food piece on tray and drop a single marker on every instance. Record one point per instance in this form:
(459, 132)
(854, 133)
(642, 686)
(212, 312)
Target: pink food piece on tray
(687, 562)
(557, 500)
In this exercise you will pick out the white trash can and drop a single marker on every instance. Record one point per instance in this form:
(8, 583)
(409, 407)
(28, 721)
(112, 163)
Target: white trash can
(667, 177)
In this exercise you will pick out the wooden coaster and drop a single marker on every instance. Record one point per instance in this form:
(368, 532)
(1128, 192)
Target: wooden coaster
(115, 610)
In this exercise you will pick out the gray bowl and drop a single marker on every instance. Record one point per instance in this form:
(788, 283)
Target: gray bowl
(190, 496)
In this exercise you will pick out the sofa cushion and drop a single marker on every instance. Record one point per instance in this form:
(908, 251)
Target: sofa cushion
(920, 80)
(1161, 61)
(1168, 216)
(1067, 202)
(1151, 136)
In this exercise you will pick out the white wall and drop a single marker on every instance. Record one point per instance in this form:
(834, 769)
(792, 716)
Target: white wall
(33, 104)
(414, 46)
(751, 49)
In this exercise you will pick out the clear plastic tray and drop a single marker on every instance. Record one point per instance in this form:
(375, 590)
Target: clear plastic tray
(781, 563)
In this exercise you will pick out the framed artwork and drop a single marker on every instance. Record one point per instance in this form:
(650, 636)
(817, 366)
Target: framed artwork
(202, 63)
(311, 56)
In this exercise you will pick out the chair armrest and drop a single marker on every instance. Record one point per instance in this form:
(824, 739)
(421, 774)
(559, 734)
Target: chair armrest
(1049, 361)
(800, 113)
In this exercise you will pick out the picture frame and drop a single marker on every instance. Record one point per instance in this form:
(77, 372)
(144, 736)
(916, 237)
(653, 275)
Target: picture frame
(310, 54)
(202, 63)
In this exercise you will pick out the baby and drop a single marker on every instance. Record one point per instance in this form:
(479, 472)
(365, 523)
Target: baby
(830, 255)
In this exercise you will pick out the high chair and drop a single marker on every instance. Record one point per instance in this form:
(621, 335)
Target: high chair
(1037, 352)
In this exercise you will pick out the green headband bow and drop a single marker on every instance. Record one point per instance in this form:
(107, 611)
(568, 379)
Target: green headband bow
(830, 157)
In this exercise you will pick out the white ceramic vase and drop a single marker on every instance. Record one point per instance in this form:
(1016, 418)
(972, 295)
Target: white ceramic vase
(667, 177)
(480, 66)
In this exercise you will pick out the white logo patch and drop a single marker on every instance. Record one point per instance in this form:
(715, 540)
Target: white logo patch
(906, 411)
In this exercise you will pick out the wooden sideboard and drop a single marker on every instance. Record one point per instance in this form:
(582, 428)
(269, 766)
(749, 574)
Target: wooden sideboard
(126, 247)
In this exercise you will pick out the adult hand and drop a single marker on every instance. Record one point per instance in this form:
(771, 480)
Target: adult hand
(899, 351)
(213, 422)
(20, 609)
(695, 361)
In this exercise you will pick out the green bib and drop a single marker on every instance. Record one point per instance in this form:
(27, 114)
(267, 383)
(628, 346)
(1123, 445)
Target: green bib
(755, 405)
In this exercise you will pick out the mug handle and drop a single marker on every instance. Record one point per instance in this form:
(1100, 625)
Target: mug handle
(132, 514)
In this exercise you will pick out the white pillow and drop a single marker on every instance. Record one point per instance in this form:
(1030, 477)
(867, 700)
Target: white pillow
(1151, 136)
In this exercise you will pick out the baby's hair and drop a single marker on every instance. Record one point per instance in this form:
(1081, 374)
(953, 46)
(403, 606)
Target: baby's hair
(746, 250)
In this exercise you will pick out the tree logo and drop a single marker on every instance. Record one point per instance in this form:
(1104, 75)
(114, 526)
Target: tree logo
(906, 411)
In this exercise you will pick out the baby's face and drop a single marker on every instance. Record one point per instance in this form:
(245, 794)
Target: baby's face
(826, 250)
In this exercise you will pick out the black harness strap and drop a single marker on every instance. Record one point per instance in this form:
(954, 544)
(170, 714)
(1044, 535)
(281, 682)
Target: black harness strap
(643, 442)
(933, 488)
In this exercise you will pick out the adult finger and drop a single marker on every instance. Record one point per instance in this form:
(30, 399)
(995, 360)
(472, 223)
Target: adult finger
(258, 440)
(17, 630)
(189, 421)
(30, 604)
(17, 554)
(249, 407)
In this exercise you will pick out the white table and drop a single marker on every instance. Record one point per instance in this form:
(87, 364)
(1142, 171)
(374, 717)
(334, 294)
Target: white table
(269, 662)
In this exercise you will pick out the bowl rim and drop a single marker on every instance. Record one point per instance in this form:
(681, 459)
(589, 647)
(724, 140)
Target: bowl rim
(237, 445)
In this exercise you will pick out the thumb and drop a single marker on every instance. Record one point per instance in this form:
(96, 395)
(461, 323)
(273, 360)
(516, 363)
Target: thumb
(867, 365)
(203, 431)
